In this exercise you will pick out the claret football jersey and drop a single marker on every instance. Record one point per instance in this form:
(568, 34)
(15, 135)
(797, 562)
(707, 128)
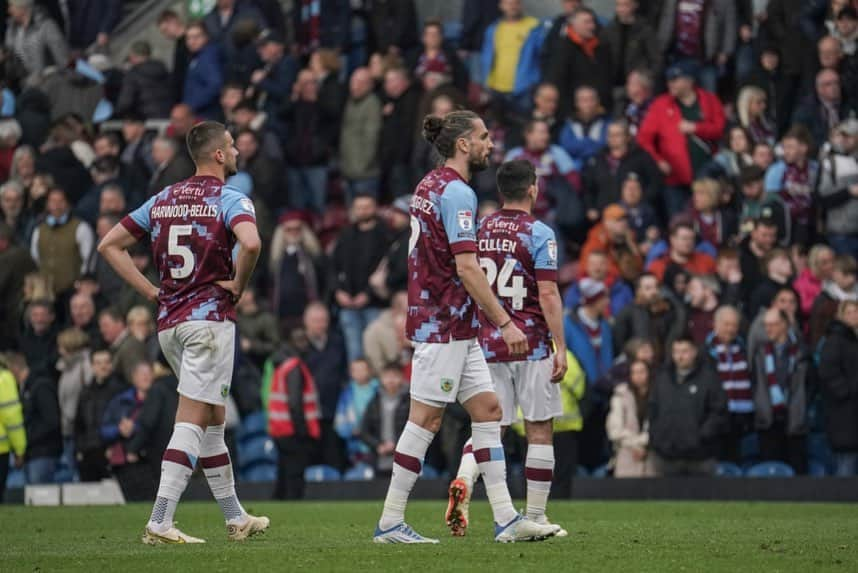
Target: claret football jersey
(516, 252)
(443, 224)
(190, 225)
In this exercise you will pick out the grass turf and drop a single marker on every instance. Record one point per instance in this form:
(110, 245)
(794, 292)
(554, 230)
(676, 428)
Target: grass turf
(335, 536)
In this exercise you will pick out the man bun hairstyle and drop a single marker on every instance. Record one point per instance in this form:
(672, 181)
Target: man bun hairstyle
(204, 138)
(442, 132)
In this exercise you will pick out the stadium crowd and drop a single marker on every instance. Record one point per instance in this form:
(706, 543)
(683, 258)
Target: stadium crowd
(697, 159)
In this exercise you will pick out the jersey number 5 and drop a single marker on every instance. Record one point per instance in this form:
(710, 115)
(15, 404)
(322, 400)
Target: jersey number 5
(508, 286)
(174, 249)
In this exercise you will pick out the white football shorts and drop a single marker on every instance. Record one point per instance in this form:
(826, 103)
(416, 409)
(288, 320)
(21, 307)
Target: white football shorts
(202, 354)
(526, 384)
(442, 373)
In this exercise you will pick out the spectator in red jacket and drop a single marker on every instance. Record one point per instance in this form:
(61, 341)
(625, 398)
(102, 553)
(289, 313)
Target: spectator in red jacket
(681, 131)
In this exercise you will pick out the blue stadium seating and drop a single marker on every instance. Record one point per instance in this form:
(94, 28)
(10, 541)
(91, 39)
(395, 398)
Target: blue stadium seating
(360, 472)
(727, 469)
(252, 426)
(581, 471)
(819, 451)
(261, 472)
(429, 472)
(16, 479)
(257, 450)
(749, 448)
(600, 472)
(816, 469)
(770, 470)
(321, 473)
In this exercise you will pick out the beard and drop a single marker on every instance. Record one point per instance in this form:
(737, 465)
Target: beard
(477, 164)
(230, 170)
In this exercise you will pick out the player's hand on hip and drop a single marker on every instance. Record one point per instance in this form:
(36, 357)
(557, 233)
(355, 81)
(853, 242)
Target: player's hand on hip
(560, 367)
(232, 288)
(153, 293)
(515, 339)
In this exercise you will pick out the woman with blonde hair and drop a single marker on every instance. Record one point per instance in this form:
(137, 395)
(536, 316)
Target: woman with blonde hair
(713, 224)
(75, 371)
(808, 284)
(751, 108)
(296, 263)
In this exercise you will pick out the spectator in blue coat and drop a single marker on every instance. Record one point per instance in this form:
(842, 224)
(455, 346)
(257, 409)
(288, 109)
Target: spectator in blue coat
(204, 78)
(587, 332)
(586, 132)
(274, 80)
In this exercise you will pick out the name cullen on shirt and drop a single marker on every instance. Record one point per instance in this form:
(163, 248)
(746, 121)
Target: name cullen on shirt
(499, 245)
(183, 211)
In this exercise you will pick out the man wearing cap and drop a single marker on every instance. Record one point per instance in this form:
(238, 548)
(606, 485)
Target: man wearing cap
(32, 35)
(681, 133)
(391, 275)
(614, 237)
(757, 204)
(146, 85)
(838, 188)
(588, 337)
(273, 81)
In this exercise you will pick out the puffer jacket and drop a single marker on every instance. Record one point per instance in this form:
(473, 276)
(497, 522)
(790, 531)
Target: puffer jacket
(627, 433)
(840, 386)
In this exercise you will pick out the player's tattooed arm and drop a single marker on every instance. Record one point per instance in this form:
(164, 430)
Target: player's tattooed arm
(114, 248)
(552, 308)
(474, 279)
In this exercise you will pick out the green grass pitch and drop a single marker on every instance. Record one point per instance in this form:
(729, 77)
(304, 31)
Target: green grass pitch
(335, 536)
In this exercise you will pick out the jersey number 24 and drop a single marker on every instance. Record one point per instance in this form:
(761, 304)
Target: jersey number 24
(508, 286)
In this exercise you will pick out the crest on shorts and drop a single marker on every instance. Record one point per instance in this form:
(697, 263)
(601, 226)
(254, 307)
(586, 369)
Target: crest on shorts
(466, 220)
(552, 251)
(446, 384)
(224, 390)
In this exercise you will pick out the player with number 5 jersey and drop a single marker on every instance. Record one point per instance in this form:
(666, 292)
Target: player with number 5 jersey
(519, 256)
(194, 226)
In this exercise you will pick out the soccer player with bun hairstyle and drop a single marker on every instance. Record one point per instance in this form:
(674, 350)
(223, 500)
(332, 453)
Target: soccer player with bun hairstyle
(519, 254)
(193, 227)
(448, 362)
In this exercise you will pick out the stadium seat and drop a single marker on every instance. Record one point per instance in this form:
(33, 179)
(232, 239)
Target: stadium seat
(64, 475)
(361, 472)
(256, 451)
(727, 469)
(749, 448)
(818, 450)
(16, 479)
(600, 472)
(252, 426)
(429, 472)
(582, 472)
(770, 470)
(816, 468)
(321, 473)
(261, 472)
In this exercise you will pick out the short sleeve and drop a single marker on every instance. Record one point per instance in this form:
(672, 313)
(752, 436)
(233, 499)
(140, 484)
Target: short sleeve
(459, 217)
(237, 208)
(139, 221)
(544, 252)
